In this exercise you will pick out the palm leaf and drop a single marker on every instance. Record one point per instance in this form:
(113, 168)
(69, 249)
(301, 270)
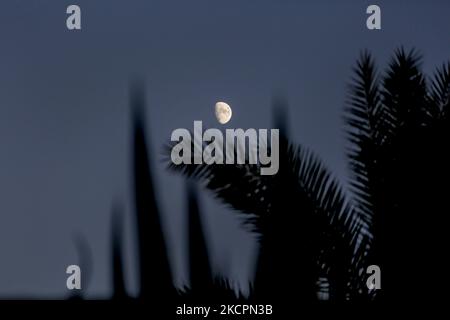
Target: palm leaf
(405, 102)
(440, 89)
(302, 200)
(154, 267)
(362, 116)
(118, 275)
(200, 270)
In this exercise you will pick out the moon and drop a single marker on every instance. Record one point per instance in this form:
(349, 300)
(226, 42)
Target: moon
(223, 112)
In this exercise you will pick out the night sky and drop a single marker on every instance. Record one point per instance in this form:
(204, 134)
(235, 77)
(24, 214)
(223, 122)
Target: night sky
(65, 120)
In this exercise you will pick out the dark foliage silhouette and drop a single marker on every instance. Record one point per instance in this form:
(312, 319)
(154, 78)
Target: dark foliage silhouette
(200, 273)
(398, 132)
(306, 226)
(316, 240)
(155, 280)
(204, 285)
(154, 267)
(118, 273)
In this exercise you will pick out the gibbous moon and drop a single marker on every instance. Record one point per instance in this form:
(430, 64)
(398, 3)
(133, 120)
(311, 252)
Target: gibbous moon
(223, 112)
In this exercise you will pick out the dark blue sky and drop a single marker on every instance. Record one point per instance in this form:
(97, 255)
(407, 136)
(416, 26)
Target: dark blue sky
(65, 121)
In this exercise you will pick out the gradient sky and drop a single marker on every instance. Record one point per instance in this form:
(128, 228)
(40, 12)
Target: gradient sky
(65, 119)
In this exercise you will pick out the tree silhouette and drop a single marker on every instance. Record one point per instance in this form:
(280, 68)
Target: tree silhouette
(398, 129)
(306, 226)
(316, 240)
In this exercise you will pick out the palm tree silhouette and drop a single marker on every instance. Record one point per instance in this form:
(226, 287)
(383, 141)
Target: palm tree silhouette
(317, 239)
(397, 126)
(307, 228)
(397, 129)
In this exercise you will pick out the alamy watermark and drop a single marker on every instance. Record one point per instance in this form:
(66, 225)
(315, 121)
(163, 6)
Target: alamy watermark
(237, 147)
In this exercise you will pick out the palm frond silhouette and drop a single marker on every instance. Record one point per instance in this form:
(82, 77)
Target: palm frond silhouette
(155, 279)
(397, 132)
(200, 271)
(204, 285)
(397, 128)
(304, 221)
(118, 272)
(155, 271)
(314, 236)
